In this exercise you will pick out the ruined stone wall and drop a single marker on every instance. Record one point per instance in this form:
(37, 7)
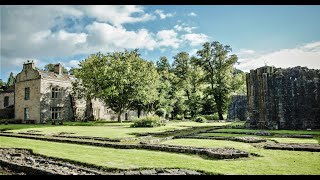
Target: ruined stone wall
(283, 98)
(2, 97)
(237, 109)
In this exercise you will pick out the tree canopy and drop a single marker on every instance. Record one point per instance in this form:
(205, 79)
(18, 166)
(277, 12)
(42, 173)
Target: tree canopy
(120, 79)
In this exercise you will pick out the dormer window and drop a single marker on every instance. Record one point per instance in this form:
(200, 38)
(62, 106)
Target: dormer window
(56, 93)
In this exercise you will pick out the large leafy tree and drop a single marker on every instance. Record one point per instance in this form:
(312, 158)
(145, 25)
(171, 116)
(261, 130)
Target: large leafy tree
(120, 79)
(166, 92)
(182, 69)
(218, 66)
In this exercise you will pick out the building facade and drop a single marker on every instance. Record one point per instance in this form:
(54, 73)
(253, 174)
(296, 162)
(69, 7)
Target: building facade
(42, 96)
(7, 103)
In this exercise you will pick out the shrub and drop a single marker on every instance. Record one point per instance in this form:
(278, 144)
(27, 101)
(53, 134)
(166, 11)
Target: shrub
(148, 121)
(160, 112)
(200, 119)
(179, 117)
(211, 117)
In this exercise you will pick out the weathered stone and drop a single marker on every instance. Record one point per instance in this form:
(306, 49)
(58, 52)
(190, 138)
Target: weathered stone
(148, 172)
(237, 109)
(132, 173)
(283, 98)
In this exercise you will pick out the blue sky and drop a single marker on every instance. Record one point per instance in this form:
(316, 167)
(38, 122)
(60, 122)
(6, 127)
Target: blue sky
(283, 36)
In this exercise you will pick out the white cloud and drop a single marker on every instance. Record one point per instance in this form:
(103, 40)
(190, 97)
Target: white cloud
(192, 14)
(45, 32)
(162, 15)
(168, 38)
(117, 14)
(103, 36)
(184, 28)
(195, 39)
(306, 55)
(246, 52)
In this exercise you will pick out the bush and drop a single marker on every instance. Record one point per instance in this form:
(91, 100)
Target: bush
(200, 119)
(160, 112)
(179, 117)
(148, 121)
(211, 117)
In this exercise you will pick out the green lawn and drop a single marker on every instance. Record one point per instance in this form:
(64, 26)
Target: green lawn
(21, 126)
(111, 130)
(273, 162)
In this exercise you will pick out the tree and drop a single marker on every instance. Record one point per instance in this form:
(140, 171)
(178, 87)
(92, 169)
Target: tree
(182, 70)
(1, 85)
(50, 68)
(190, 80)
(166, 98)
(218, 67)
(163, 64)
(11, 80)
(238, 84)
(119, 79)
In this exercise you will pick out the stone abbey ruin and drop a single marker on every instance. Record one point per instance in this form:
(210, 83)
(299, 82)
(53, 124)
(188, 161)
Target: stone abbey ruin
(283, 98)
(237, 109)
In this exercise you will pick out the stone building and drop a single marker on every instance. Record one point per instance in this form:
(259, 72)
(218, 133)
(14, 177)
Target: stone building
(283, 98)
(42, 96)
(237, 109)
(7, 103)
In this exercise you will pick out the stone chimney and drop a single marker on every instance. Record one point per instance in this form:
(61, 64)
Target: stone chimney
(28, 65)
(58, 69)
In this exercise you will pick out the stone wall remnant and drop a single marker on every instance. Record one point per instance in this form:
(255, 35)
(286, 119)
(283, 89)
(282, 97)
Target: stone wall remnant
(283, 98)
(237, 109)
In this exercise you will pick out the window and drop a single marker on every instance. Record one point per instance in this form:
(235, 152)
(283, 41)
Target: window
(26, 93)
(26, 114)
(56, 113)
(56, 93)
(6, 101)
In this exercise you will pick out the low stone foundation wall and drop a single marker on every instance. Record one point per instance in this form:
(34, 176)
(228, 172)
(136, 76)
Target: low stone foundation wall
(294, 147)
(220, 153)
(238, 139)
(22, 160)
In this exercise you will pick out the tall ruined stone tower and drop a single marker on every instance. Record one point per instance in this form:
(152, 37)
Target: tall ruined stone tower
(283, 98)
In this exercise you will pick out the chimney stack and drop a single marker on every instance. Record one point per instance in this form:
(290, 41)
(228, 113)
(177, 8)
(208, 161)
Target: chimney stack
(58, 69)
(28, 65)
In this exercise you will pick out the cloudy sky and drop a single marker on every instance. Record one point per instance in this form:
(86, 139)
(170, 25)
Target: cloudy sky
(283, 36)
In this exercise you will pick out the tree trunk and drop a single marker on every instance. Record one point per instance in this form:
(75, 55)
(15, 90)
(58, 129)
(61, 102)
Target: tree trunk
(139, 112)
(119, 117)
(219, 106)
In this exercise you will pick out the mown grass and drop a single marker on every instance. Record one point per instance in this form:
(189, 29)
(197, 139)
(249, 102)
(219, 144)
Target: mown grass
(113, 130)
(272, 162)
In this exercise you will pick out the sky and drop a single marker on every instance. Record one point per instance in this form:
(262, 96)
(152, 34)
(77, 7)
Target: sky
(277, 35)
